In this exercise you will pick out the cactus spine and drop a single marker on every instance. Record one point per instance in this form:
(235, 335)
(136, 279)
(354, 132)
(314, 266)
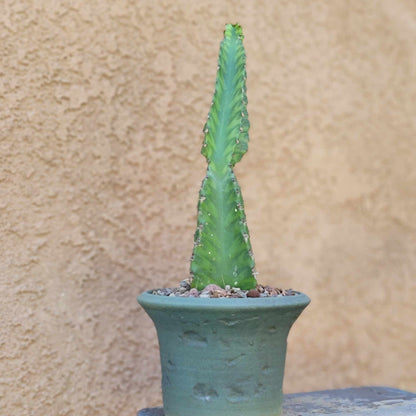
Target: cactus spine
(222, 251)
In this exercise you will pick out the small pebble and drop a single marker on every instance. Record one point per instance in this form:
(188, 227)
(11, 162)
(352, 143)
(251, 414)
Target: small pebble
(193, 293)
(204, 295)
(253, 293)
(219, 293)
(211, 288)
(185, 284)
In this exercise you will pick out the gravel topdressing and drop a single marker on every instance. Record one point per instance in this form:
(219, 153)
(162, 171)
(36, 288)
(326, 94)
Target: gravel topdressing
(214, 291)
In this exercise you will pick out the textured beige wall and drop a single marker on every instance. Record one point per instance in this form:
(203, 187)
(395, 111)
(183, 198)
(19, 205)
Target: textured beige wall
(102, 103)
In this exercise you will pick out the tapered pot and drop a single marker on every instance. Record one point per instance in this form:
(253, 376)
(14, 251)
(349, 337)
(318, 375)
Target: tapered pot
(222, 357)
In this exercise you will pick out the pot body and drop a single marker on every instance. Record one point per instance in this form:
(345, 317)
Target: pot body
(223, 357)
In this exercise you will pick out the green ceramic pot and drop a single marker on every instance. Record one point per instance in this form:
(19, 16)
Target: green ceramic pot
(222, 357)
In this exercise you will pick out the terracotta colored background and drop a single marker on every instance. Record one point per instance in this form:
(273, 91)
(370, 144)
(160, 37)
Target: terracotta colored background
(102, 104)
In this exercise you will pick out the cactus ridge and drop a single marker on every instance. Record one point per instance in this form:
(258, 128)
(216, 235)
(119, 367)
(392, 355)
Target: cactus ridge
(222, 251)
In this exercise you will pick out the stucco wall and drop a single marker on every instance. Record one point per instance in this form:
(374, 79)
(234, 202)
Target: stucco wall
(102, 103)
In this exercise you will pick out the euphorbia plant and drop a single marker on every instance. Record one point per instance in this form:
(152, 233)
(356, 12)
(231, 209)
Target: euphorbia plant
(222, 251)
(223, 357)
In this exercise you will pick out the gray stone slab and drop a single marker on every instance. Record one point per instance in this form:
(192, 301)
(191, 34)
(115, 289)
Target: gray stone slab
(359, 401)
(151, 411)
(362, 401)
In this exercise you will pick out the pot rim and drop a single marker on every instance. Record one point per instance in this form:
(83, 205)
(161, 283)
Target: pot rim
(148, 299)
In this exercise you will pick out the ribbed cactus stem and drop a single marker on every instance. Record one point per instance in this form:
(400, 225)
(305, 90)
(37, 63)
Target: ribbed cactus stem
(222, 251)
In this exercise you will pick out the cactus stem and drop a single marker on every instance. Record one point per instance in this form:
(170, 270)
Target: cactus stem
(222, 252)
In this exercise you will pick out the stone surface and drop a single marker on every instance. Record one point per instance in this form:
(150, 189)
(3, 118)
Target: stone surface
(102, 105)
(363, 401)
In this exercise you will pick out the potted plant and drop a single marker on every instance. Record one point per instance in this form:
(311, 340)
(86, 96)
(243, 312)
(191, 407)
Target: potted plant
(222, 336)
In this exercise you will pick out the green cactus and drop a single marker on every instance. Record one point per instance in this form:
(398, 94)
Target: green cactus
(222, 251)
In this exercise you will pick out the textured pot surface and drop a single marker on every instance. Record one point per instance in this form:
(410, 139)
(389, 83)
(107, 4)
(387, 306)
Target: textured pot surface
(223, 357)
